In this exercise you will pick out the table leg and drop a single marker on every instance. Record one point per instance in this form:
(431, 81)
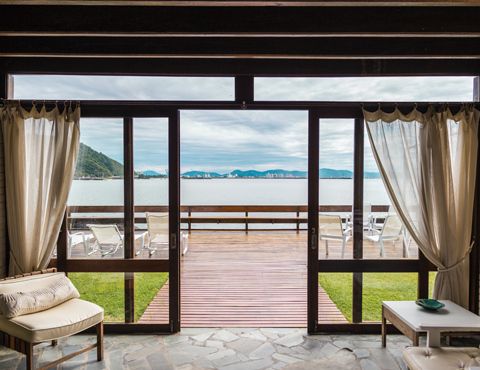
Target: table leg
(416, 339)
(384, 329)
(433, 338)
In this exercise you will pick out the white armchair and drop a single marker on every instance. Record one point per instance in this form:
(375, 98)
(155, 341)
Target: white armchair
(22, 332)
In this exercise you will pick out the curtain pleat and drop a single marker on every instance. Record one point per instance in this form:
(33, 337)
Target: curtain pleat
(428, 165)
(41, 150)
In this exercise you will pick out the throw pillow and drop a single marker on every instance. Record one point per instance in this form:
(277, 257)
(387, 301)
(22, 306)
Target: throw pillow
(21, 303)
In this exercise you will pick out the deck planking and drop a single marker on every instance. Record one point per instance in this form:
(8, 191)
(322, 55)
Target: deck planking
(238, 279)
(254, 279)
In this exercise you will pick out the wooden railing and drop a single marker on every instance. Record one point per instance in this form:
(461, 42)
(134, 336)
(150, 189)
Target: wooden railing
(279, 215)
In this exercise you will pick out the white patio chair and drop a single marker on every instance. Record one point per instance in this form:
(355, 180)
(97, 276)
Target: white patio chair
(73, 240)
(330, 227)
(108, 239)
(158, 235)
(392, 229)
(367, 218)
(78, 238)
(407, 238)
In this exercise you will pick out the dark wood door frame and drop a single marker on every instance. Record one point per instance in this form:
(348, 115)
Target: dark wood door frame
(317, 111)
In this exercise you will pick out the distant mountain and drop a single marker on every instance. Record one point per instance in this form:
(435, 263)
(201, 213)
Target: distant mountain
(327, 173)
(91, 163)
(150, 173)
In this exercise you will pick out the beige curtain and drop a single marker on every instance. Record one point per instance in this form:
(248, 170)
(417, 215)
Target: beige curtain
(428, 165)
(40, 156)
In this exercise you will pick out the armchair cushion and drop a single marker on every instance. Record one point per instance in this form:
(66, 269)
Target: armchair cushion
(68, 318)
(445, 358)
(26, 302)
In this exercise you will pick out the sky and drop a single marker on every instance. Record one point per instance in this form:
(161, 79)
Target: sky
(224, 141)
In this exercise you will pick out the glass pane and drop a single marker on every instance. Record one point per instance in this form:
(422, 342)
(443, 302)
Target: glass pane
(105, 289)
(96, 196)
(69, 87)
(336, 188)
(417, 89)
(151, 186)
(384, 233)
(151, 298)
(247, 158)
(386, 287)
(335, 298)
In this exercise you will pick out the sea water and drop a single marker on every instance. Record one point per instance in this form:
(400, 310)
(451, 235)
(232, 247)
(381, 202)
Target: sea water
(226, 192)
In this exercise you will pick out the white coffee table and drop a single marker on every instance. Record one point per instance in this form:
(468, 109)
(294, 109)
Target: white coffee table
(412, 319)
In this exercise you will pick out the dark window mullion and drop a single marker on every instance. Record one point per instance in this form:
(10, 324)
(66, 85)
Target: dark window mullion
(129, 217)
(313, 206)
(174, 218)
(358, 168)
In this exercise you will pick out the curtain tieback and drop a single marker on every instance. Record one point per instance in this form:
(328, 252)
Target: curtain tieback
(459, 262)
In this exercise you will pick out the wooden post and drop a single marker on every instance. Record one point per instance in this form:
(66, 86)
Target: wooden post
(174, 219)
(359, 147)
(313, 206)
(475, 254)
(62, 243)
(29, 355)
(4, 94)
(100, 341)
(298, 221)
(244, 89)
(129, 218)
(476, 89)
(423, 269)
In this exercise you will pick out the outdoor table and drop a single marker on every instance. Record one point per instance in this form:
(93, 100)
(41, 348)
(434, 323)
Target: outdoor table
(412, 319)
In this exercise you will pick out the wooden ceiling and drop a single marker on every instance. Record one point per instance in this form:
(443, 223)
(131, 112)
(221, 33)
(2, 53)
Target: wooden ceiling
(270, 38)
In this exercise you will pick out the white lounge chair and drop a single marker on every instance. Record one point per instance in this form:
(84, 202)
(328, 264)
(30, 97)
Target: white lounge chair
(78, 238)
(73, 240)
(108, 239)
(158, 235)
(330, 227)
(392, 229)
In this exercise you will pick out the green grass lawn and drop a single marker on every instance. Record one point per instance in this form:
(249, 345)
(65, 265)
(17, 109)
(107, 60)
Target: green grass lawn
(107, 290)
(376, 288)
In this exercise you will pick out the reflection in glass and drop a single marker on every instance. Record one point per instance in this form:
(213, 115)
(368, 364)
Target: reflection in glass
(96, 195)
(151, 186)
(336, 188)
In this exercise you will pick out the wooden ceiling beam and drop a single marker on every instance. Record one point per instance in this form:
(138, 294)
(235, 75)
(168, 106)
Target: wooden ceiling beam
(236, 67)
(200, 20)
(243, 47)
(210, 3)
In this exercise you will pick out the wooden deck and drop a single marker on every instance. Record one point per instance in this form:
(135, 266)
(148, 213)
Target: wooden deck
(235, 279)
(255, 279)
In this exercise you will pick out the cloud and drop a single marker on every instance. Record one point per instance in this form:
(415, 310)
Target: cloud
(222, 141)
(377, 89)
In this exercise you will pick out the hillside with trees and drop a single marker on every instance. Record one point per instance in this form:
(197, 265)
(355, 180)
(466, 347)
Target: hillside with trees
(91, 163)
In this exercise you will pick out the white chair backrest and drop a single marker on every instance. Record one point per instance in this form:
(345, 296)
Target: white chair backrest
(106, 234)
(157, 224)
(330, 225)
(367, 211)
(392, 226)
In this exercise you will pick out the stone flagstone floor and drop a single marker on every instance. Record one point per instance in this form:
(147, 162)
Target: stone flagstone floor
(227, 349)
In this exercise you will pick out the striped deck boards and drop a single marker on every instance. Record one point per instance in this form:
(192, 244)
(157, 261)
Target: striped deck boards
(234, 279)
